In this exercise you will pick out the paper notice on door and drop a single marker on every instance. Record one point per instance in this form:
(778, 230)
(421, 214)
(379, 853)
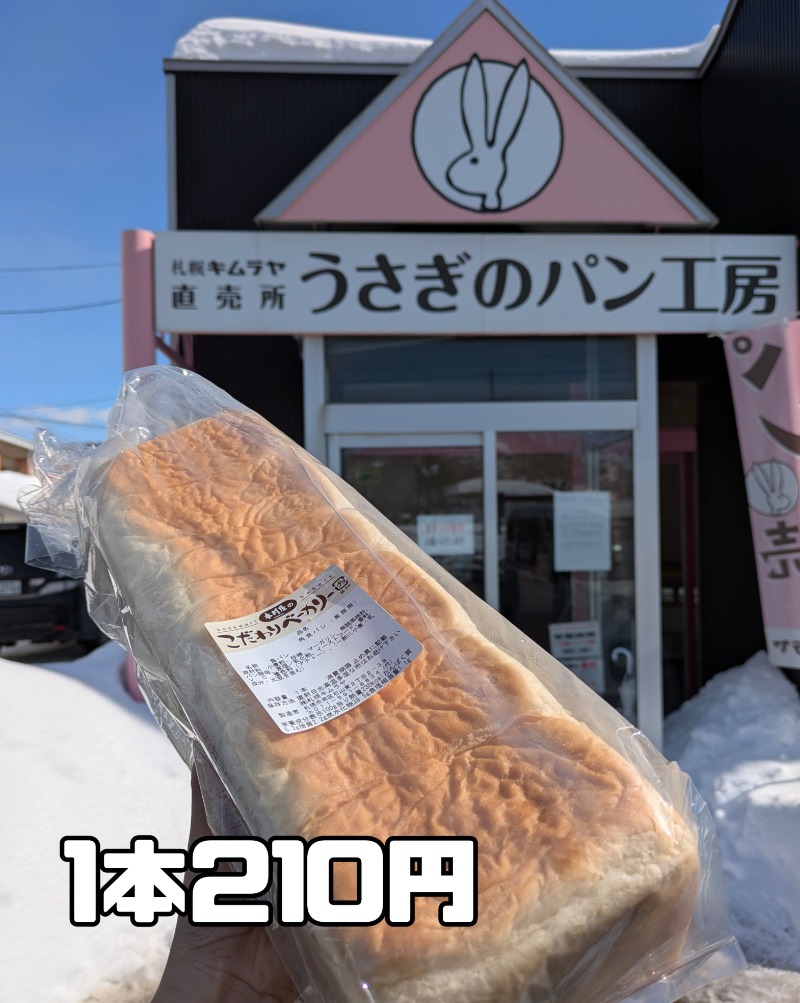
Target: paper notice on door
(447, 535)
(582, 531)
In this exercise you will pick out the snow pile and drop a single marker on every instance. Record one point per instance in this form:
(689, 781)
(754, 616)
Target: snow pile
(739, 740)
(246, 39)
(79, 758)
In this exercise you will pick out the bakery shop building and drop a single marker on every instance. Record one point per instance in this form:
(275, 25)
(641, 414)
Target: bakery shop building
(522, 300)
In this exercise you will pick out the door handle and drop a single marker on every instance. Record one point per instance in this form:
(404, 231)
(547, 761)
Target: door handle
(627, 687)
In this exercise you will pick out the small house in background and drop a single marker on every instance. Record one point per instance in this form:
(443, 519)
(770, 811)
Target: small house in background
(15, 452)
(494, 287)
(15, 474)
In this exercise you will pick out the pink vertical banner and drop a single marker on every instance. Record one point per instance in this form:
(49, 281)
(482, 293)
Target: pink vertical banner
(764, 369)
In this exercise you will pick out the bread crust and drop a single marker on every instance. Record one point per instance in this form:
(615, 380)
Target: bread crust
(579, 858)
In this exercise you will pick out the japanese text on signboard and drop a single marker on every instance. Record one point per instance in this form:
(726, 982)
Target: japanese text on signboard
(377, 283)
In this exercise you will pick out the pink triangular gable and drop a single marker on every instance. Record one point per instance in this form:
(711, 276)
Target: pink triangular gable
(599, 175)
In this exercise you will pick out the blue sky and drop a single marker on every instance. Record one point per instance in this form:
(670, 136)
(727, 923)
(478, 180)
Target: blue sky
(83, 157)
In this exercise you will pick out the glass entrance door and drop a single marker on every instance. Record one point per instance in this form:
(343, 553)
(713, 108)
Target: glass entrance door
(565, 547)
(548, 510)
(562, 558)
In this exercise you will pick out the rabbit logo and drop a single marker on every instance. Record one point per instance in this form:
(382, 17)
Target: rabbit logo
(487, 136)
(772, 487)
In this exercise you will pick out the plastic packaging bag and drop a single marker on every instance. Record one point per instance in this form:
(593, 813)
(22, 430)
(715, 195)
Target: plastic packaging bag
(331, 681)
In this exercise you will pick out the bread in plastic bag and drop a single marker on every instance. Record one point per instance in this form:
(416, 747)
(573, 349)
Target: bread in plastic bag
(597, 872)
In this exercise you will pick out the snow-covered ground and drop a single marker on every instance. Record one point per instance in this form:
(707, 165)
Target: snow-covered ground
(739, 740)
(79, 757)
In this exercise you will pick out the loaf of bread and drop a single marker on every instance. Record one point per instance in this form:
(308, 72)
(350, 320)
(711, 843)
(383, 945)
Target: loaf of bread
(587, 877)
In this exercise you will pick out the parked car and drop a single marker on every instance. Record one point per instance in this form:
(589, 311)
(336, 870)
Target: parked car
(38, 605)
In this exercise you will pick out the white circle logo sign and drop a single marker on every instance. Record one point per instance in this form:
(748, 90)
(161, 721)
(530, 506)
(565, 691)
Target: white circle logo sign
(772, 487)
(487, 136)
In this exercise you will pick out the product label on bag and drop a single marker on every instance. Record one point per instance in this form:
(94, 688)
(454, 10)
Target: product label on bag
(317, 653)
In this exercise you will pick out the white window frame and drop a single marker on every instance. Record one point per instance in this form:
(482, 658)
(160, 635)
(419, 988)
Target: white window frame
(332, 427)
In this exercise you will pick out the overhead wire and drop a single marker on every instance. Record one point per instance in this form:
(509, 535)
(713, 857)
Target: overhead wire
(16, 269)
(59, 268)
(38, 419)
(60, 309)
(45, 407)
(33, 419)
(50, 420)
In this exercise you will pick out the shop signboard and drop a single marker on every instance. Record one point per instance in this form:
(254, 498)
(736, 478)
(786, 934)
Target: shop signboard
(379, 283)
(764, 368)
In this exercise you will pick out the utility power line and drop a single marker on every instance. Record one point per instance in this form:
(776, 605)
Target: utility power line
(45, 407)
(49, 420)
(60, 268)
(60, 309)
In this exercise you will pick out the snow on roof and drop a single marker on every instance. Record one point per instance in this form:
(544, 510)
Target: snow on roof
(250, 40)
(236, 38)
(680, 57)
